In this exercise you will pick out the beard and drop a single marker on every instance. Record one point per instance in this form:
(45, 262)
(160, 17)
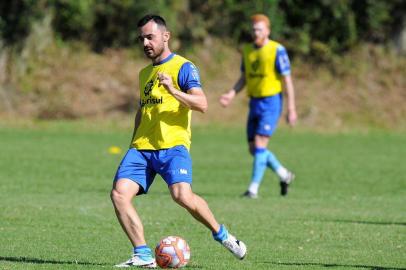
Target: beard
(259, 41)
(152, 53)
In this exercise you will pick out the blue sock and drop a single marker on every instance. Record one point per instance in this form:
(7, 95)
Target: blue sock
(259, 166)
(144, 252)
(221, 235)
(272, 162)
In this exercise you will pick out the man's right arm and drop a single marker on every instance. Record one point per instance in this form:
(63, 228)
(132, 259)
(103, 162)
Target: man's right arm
(239, 85)
(290, 92)
(226, 98)
(137, 123)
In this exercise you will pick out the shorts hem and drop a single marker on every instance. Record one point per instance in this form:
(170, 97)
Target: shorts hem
(262, 134)
(142, 188)
(189, 181)
(251, 139)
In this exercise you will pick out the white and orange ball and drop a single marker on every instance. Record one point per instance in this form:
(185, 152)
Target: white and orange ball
(172, 252)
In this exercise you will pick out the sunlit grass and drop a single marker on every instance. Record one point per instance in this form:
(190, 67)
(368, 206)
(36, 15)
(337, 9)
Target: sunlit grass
(345, 210)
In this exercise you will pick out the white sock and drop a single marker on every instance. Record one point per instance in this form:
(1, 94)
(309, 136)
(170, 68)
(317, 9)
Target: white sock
(253, 188)
(282, 172)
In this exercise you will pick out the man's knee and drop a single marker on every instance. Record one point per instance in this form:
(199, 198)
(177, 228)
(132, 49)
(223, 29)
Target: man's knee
(123, 191)
(182, 196)
(118, 197)
(261, 141)
(115, 195)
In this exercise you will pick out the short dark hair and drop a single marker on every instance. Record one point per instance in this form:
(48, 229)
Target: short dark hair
(151, 17)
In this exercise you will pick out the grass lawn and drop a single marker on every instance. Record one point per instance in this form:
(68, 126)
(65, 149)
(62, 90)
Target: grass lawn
(346, 209)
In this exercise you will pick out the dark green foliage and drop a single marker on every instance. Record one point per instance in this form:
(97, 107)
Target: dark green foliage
(16, 17)
(323, 27)
(73, 19)
(230, 19)
(319, 27)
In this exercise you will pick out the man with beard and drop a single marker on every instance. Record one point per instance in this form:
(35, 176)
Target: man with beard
(169, 90)
(265, 67)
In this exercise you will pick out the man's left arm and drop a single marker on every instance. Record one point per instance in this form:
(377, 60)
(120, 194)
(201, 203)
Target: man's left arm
(191, 94)
(290, 92)
(283, 67)
(193, 98)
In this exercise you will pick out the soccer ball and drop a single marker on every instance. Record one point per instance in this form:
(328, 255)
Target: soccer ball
(172, 252)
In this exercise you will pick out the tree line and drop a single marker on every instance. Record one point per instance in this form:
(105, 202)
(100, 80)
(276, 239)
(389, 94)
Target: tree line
(310, 28)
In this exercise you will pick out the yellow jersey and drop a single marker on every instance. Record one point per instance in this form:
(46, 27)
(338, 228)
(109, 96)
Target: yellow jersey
(261, 76)
(165, 122)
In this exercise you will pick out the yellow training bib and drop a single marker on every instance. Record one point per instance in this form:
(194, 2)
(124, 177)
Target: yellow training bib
(261, 76)
(165, 122)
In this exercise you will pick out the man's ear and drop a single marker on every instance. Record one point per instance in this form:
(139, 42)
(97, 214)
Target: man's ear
(167, 36)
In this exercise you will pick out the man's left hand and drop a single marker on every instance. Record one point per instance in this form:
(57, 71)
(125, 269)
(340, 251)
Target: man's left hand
(166, 81)
(291, 117)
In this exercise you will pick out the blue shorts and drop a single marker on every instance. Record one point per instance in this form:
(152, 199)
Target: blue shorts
(264, 114)
(141, 166)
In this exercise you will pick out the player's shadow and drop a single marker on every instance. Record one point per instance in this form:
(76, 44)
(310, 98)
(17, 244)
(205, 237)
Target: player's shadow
(216, 195)
(385, 223)
(333, 265)
(42, 261)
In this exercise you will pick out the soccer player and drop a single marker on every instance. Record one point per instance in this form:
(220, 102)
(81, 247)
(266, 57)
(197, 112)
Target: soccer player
(170, 89)
(265, 68)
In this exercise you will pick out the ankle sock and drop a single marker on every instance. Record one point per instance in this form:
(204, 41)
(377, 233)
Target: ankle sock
(221, 235)
(144, 252)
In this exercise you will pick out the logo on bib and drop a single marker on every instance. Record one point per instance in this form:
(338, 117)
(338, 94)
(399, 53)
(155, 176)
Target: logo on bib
(148, 88)
(148, 98)
(255, 64)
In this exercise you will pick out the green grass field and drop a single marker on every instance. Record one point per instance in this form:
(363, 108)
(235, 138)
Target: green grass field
(346, 210)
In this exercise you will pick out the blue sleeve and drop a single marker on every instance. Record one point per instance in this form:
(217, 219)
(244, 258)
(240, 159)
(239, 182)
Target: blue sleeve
(242, 67)
(188, 77)
(282, 61)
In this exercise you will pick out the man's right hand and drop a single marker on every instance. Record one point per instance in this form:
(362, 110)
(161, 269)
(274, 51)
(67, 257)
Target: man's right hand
(226, 98)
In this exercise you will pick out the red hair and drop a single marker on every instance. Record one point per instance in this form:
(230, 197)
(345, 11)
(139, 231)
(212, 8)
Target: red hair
(261, 18)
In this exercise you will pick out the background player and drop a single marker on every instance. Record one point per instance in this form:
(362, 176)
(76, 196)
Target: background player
(265, 66)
